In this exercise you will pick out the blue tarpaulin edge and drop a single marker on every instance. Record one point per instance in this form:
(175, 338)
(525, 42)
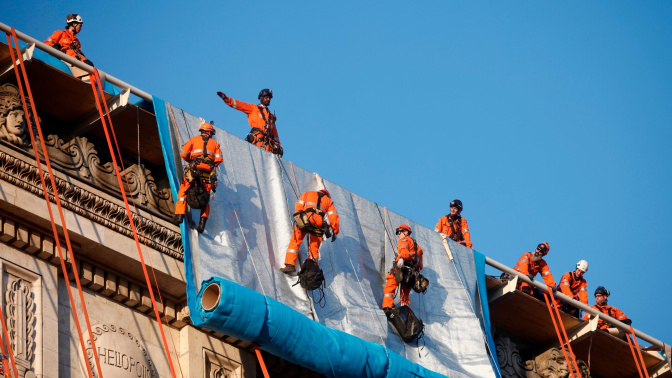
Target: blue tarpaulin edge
(479, 260)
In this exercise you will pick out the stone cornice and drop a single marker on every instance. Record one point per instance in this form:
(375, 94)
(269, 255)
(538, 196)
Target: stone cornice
(92, 206)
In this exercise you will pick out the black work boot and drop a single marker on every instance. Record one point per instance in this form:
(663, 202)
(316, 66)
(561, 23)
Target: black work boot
(177, 218)
(201, 225)
(289, 268)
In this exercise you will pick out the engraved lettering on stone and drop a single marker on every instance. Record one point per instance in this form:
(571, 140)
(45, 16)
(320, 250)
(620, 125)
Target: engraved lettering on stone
(120, 353)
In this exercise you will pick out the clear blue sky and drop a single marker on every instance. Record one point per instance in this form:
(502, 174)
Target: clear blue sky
(550, 121)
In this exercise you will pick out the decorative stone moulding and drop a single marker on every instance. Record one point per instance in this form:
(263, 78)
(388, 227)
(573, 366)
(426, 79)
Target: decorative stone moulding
(129, 293)
(79, 158)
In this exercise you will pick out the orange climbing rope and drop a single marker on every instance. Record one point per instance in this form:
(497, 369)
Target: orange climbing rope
(634, 347)
(96, 85)
(135, 208)
(9, 348)
(550, 304)
(24, 76)
(261, 361)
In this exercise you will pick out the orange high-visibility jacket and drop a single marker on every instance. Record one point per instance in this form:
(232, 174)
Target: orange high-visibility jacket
(609, 310)
(574, 288)
(69, 43)
(409, 250)
(526, 266)
(195, 148)
(309, 200)
(461, 226)
(256, 118)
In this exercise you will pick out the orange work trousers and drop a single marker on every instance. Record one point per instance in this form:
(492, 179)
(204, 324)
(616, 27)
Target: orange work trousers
(293, 248)
(390, 288)
(181, 203)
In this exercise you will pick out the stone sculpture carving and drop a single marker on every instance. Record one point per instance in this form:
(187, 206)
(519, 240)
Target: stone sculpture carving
(21, 321)
(12, 116)
(509, 359)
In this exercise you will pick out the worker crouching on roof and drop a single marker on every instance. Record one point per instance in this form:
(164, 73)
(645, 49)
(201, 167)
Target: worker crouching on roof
(263, 133)
(454, 226)
(407, 265)
(203, 155)
(67, 42)
(311, 208)
(601, 298)
(574, 286)
(532, 263)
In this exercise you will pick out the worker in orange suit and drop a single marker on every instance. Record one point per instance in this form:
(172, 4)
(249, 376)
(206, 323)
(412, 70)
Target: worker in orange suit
(454, 226)
(601, 300)
(409, 257)
(316, 205)
(203, 154)
(532, 263)
(264, 133)
(66, 40)
(574, 286)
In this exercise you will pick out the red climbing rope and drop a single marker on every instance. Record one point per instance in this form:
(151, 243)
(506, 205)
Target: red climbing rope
(56, 199)
(550, 305)
(96, 85)
(639, 352)
(261, 361)
(135, 208)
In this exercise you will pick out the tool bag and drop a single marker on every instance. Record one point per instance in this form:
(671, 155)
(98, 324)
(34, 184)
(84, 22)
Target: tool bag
(404, 275)
(311, 276)
(409, 326)
(197, 196)
(421, 284)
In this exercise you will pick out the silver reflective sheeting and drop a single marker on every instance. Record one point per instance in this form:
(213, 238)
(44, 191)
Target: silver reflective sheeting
(250, 227)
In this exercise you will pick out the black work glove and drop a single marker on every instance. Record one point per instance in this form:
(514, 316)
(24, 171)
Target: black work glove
(221, 95)
(90, 63)
(57, 46)
(333, 238)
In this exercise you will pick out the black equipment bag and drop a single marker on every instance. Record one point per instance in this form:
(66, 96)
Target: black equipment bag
(404, 275)
(311, 276)
(421, 284)
(408, 325)
(197, 196)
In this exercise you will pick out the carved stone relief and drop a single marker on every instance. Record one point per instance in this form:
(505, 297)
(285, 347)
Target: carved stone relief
(20, 288)
(552, 364)
(80, 157)
(218, 366)
(12, 116)
(509, 359)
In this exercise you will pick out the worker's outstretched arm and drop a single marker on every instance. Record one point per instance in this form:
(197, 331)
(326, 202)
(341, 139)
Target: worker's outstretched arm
(238, 105)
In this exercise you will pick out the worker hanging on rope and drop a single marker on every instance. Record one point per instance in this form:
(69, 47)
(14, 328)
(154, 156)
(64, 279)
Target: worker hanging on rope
(67, 42)
(203, 155)
(574, 286)
(311, 209)
(532, 263)
(405, 274)
(264, 133)
(454, 226)
(602, 306)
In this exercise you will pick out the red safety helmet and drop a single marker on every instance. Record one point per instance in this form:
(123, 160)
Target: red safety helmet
(207, 127)
(325, 192)
(544, 248)
(404, 227)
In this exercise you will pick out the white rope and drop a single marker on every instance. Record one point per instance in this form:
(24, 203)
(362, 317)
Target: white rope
(368, 305)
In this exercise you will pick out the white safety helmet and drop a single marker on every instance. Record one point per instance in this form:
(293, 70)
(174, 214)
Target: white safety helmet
(73, 18)
(582, 265)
